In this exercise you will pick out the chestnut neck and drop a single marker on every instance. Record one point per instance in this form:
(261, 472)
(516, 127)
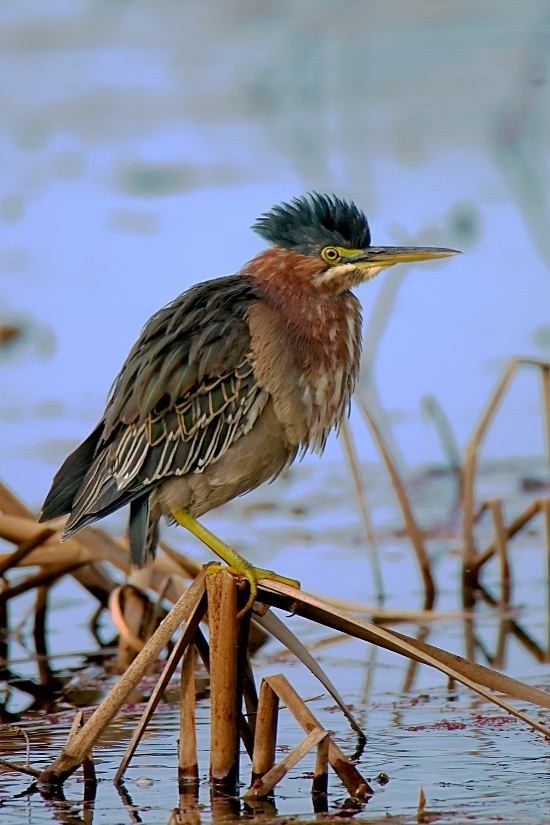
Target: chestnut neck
(312, 315)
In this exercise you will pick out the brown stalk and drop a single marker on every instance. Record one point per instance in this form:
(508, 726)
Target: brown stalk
(521, 521)
(225, 700)
(388, 614)
(189, 567)
(320, 772)
(17, 767)
(23, 550)
(44, 577)
(245, 728)
(514, 628)
(12, 504)
(93, 578)
(471, 674)
(131, 639)
(501, 544)
(183, 642)
(136, 606)
(411, 525)
(353, 462)
(283, 634)
(75, 752)
(188, 768)
(545, 387)
(470, 556)
(39, 633)
(98, 547)
(262, 787)
(339, 762)
(265, 739)
(545, 510)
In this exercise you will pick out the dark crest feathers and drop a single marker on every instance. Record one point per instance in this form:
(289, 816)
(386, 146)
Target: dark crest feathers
(313, 221)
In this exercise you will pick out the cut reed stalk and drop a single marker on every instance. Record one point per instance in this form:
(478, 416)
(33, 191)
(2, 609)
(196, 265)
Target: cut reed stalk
(225, 698)
(23, 550)
(517, 631)
(185, 639)
(474, 676)
(501, 545)
(470, 560)
(74, 754)
(188, 767)
(339, 762)
(320, 773)
(266, 732)
(46, 576)
(515, 526)
(545, 387)
(545, 511)
(263, 787)
(39, 633)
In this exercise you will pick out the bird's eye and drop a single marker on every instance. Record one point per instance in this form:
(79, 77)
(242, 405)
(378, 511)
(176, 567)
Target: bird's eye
(331, 255)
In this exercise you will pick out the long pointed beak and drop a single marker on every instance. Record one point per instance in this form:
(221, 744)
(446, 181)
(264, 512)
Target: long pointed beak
(383, 256)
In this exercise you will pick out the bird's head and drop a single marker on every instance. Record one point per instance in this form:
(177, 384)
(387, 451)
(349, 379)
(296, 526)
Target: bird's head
(334, 234)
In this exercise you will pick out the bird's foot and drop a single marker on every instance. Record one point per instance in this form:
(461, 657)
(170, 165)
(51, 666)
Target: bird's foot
(237, 564)
(252, 575)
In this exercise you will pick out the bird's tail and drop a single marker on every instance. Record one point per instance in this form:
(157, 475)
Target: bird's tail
(143, 531)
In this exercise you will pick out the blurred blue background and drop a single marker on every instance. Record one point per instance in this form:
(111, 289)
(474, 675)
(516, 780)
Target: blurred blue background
(140, 139)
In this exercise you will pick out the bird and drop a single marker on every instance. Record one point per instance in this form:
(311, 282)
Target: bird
(232, 381)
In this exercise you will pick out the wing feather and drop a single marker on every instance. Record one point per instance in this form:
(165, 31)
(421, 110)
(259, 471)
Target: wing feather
(186, 392)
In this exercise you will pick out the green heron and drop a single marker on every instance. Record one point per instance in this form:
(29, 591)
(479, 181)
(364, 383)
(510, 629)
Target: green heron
(233, 380)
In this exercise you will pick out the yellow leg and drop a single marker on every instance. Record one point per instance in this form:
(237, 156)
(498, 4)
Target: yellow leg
(230, 556)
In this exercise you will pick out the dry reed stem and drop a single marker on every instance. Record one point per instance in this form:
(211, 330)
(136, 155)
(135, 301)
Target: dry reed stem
(262, 787)
(131, 639)
(45, 576)
(136, 606)
(320, 772)
(39, 633)
(188, 768)
(283, 634)
(515, 526)
(470, 462)
(23, 550)
(73, 755)
(514, 628)
(18, 768)
(353, 462)
(221, 587)
(339, 762)
(545, 388)
(250, 696)
(10, 504)
(75, 726)
(90, 545)
(265, 739)
(474, 443)
(472, 675)
(388, 614)
(190, 568)
(185, 639)
(94, 578)
(411, 525)
(545, 511)
(501, 544)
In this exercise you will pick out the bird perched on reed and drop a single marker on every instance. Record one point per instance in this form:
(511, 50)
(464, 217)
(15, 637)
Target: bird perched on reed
(233, 380)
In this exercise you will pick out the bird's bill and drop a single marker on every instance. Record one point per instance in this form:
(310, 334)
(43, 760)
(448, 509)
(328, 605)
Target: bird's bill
(383, 256)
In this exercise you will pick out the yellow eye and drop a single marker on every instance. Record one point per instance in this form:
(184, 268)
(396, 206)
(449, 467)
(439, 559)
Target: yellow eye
(331, 255)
